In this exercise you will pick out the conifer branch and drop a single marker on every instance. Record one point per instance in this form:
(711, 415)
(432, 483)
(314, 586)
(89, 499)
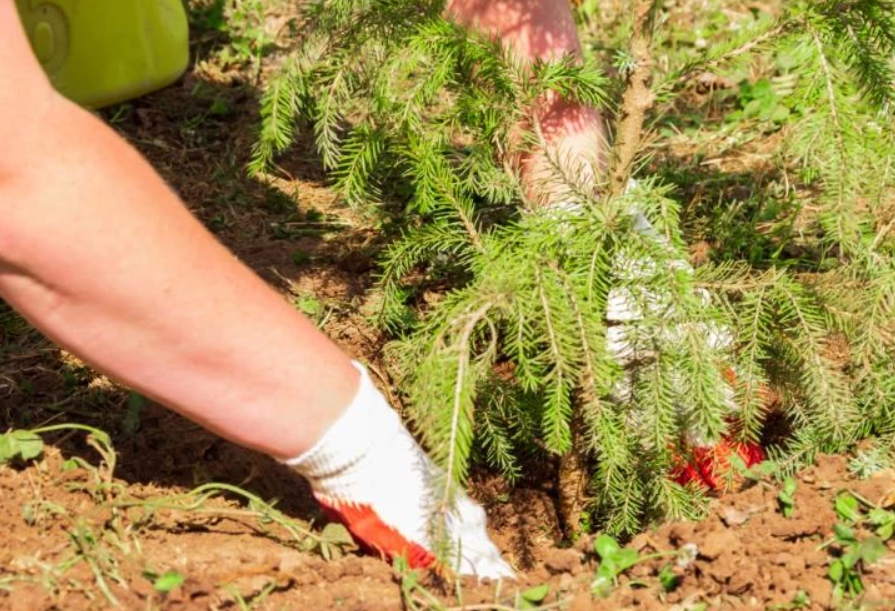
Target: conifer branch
(831, 96)
(463, 341)
(413, 111)
(747, 47)
(558, 436)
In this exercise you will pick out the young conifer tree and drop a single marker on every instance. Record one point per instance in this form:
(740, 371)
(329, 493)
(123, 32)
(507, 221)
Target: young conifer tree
(516, 359)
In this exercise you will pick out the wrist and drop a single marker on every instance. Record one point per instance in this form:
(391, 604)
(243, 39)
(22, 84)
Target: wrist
(351, 436)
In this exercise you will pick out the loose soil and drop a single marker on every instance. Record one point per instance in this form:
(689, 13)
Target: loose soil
(63, 544)
(746, 553)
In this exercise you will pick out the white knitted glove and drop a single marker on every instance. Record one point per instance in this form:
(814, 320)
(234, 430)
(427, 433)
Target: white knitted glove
(707, 460)
(368, 473)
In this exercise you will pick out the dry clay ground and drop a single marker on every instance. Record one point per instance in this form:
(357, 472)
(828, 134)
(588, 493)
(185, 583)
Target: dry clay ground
(77, 535)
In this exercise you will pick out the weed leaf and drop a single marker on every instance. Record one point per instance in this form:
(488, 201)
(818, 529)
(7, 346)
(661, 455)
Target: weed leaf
(7, 448)
(847, 507)
(845, 534)
(533, 596)
(872, 549)
(606, 546)
(837, 570)
(22, 445)
(168, 581)
(28, 444)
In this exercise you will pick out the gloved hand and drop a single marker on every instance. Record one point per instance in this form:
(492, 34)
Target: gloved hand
(369, 474)
(708, 465)
(706, 462)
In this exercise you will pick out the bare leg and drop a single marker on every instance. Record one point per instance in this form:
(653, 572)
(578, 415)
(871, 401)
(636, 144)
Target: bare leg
(543, 29)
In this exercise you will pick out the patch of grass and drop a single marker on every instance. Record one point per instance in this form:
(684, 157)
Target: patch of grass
(105, 537)
(242, 27)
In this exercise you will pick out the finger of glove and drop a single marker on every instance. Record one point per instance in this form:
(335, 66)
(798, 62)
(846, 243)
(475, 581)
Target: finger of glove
(709, 465)
(477, 554)
(373, 533)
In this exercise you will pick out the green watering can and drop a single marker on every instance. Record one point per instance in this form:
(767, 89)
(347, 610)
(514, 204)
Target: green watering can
(102, 52)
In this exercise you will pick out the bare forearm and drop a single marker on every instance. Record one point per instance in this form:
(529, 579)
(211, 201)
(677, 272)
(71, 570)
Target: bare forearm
(100, 255)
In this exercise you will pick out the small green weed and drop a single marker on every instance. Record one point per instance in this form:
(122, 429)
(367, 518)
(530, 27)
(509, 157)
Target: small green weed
(859, 511)
(760, 101)
(786, 499)
(247, 603)
(312, 307)
(755, 473)
(800, 600)
(533, 597)
(854, 553)
(242, 22)
(847, 507)
(845, 571)
(208, 16)
(249, 39)
(191, 126)
(20, 445)
(97, 551)
(884, 522)
(668, 579)
(615, 560)
(166, 582)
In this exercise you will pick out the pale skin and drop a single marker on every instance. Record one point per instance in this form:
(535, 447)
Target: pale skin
(543, 29)
(101, 256)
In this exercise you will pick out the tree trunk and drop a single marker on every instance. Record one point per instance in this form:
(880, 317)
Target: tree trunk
(573, 478)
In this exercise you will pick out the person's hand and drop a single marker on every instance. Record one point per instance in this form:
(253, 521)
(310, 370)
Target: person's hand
(704, 463)
(368, 473)
(708, 466)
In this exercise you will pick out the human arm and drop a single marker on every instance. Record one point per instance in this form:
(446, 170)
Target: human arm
(100, 255)
(103, 257)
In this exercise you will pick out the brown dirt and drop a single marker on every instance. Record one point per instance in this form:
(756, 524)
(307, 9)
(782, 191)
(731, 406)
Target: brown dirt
(748, 554)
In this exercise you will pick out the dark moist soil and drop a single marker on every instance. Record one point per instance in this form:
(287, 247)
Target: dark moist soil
(58, 538)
